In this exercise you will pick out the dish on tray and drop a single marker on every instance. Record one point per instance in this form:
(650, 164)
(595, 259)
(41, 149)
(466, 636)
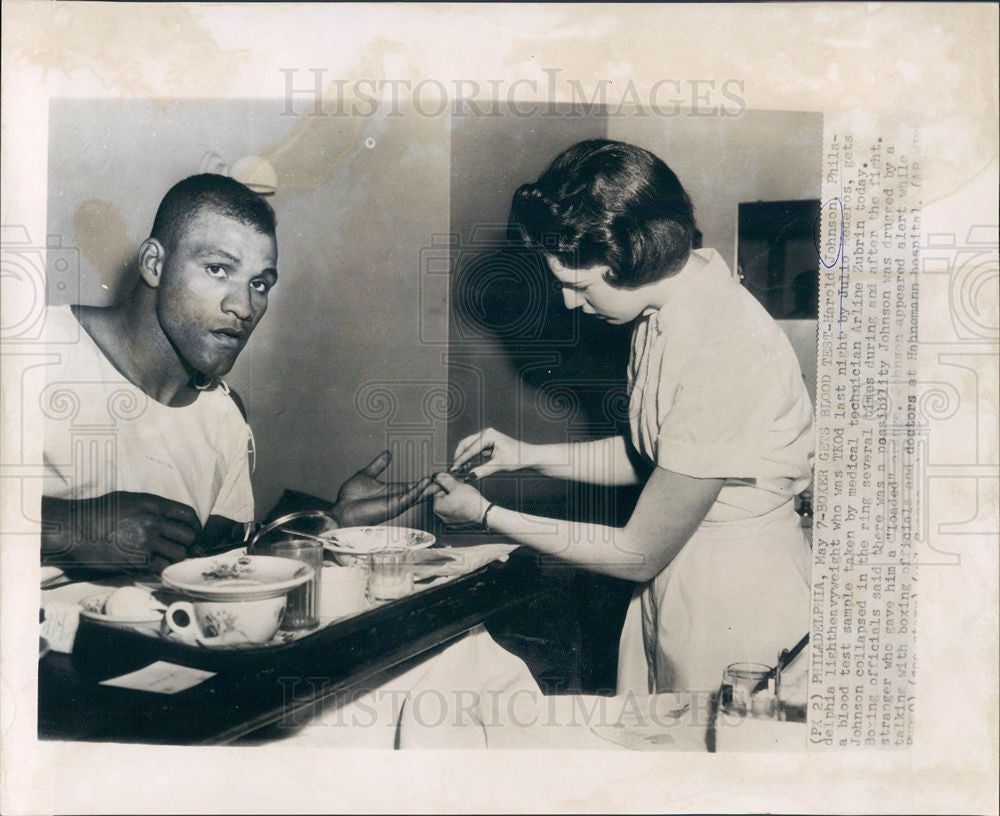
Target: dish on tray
(349, 545)
(236, 577)
(138, 612)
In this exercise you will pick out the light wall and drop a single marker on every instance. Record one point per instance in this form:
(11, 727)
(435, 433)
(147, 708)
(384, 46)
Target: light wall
(723, 161)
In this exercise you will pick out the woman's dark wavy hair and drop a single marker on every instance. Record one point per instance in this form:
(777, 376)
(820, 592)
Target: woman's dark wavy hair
(606, 202)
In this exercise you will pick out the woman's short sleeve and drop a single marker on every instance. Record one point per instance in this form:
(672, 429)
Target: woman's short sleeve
(721, 414)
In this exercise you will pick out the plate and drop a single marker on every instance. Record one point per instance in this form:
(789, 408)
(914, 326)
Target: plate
(362, 540)
(92, 608)
(236, 577)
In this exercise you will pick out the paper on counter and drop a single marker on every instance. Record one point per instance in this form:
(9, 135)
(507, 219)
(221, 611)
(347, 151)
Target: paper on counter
(52, 575)
(59, 626)
(61, 610)
(160, 677)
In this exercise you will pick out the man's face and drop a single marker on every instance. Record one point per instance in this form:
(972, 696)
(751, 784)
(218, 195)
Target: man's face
(587, 289)
(213, 289)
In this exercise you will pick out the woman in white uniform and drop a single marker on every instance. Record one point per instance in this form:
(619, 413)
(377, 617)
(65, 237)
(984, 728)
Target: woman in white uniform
(717, 407)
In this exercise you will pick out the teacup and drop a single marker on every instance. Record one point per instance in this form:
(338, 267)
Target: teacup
(226, 622)
(344, 592)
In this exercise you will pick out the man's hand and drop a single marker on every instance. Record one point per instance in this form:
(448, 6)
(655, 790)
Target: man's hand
(365, 500)
(117, 531)
(218, 535)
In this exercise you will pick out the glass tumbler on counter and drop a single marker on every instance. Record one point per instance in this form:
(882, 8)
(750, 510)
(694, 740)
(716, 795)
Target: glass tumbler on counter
(302, 611)
(391, 575)
(738, 682)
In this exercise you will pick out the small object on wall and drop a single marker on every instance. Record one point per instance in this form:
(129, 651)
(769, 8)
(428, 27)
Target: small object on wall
(212, 162)
(255, 172)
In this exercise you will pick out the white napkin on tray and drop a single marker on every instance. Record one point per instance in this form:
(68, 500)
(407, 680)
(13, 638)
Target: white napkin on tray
(447, 562)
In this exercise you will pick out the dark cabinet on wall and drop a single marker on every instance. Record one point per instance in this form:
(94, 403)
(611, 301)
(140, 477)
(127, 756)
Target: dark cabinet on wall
(778, 256)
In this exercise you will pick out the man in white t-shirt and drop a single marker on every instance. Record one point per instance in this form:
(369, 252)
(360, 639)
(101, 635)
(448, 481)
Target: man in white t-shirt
(146, 450)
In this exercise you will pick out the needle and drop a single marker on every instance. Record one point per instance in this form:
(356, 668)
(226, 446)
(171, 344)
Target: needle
(786, 657)
(464, 473)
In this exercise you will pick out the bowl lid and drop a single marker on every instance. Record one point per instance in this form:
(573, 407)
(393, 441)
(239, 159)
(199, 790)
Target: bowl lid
(236, 577)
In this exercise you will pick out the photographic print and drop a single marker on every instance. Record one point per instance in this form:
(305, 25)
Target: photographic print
(403, 400)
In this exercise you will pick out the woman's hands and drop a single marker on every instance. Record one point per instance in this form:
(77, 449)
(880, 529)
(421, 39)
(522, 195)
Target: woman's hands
(365, 499)
(457, 503)
(503, 453)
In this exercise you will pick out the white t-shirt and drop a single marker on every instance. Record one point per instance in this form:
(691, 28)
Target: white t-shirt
(716, 392)
(102, 434)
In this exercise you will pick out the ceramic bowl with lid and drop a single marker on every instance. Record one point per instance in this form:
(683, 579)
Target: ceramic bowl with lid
(236, 577)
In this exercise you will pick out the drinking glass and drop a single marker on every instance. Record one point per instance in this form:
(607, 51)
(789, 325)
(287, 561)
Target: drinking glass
(302, 611)
(738, 682)
(391, 575)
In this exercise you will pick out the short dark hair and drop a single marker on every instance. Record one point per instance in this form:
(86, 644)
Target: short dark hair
(211, 191)
(607, 202)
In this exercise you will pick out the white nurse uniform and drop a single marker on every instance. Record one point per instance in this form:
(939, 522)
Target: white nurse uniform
(716, 392)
